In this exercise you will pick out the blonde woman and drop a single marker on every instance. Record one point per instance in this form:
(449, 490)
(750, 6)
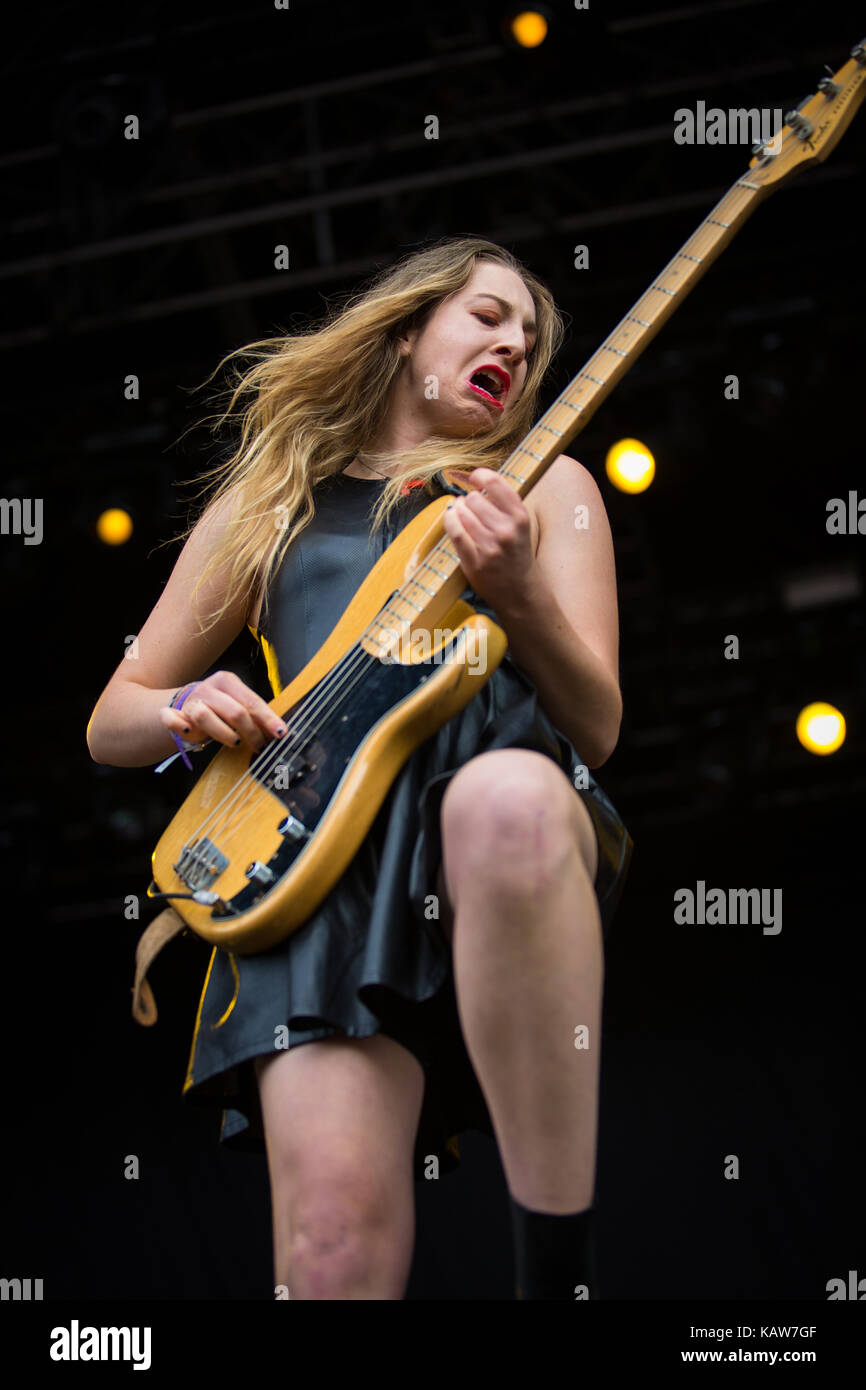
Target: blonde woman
(453, 977)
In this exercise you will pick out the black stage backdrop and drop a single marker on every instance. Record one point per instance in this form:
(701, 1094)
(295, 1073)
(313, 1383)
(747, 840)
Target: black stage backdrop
(305, 126)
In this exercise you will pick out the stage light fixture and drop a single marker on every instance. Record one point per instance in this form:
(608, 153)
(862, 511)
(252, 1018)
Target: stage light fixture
(114, 526)
(821, 728)
(630, 466)
(527, 28)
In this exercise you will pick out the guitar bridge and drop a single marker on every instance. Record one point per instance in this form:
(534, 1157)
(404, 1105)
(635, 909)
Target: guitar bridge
(200, 864)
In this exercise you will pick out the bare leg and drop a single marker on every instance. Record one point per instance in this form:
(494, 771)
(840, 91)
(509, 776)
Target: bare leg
(520, 859)
(340, 1120)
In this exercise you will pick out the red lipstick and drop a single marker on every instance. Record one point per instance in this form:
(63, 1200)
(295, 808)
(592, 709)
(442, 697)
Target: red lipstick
(491, 382)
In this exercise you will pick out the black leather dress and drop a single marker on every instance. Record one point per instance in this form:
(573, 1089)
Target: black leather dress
(370, 959)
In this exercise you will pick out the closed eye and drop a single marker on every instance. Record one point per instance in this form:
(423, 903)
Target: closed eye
(488, 318)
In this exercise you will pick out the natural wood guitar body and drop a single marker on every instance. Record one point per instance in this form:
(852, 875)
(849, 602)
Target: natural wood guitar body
(233, 815)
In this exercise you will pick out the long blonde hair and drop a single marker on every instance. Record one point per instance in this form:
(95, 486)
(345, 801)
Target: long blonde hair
(311, 400)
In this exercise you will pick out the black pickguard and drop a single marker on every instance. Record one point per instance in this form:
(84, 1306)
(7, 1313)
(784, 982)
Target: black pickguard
(304, 769)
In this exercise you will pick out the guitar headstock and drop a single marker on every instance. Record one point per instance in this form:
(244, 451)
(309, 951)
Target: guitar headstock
(815, 126)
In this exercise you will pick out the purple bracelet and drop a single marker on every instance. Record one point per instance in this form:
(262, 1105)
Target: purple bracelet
(185, 690)
(182, 743)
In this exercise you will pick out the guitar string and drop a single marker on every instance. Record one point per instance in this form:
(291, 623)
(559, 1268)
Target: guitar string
(276, 749)
(267, 757)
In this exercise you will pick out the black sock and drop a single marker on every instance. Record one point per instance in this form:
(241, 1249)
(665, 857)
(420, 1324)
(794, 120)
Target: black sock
(554, 1255)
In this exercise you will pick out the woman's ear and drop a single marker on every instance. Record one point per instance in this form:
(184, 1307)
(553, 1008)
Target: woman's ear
(409, 329)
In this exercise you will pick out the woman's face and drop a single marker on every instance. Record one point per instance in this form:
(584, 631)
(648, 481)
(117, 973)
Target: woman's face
(468, 365)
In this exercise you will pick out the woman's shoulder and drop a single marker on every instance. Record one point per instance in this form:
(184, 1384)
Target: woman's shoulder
(566, 487)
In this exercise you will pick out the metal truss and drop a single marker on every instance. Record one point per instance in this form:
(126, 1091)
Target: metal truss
(219, 194)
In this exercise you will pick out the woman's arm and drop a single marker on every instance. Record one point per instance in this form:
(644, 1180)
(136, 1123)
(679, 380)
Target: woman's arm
(129, 726)
(558, 608)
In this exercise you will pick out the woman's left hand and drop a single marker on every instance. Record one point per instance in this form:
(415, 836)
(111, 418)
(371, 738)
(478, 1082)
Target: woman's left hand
(492, 535)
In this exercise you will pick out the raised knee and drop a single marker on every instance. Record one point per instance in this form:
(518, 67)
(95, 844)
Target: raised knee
(503, 788)
(509, 812)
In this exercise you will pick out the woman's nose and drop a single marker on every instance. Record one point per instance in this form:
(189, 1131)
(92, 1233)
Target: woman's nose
(513, 351)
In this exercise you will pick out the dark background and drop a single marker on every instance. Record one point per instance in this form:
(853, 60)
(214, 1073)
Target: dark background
(306, 127)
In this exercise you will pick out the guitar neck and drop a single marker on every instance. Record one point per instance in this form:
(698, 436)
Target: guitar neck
(576, 405)
(810, 133)
(571, 410)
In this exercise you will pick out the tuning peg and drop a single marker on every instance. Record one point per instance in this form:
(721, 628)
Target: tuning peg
(802, 128)
(828, 86)
(859, 52)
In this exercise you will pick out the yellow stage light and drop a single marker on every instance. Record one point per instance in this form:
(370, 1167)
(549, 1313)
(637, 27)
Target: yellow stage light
(630, 466)
(114, 526)
(821, 728)
(529, 28)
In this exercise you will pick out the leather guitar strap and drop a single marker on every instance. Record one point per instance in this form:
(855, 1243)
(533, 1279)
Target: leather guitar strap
(162, 929)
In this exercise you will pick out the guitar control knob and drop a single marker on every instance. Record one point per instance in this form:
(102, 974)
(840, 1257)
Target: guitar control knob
(260, 872)
(294, 828)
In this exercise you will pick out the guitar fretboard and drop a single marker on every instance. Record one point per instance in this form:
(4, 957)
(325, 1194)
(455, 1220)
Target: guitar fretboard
(576, 405)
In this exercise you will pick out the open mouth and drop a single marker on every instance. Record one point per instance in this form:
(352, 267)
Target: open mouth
(491, 384)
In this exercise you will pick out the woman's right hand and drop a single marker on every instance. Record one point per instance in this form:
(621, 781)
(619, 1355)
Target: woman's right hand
(224, 709)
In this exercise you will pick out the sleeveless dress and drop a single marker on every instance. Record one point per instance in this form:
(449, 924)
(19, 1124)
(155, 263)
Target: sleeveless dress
(370, 958)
